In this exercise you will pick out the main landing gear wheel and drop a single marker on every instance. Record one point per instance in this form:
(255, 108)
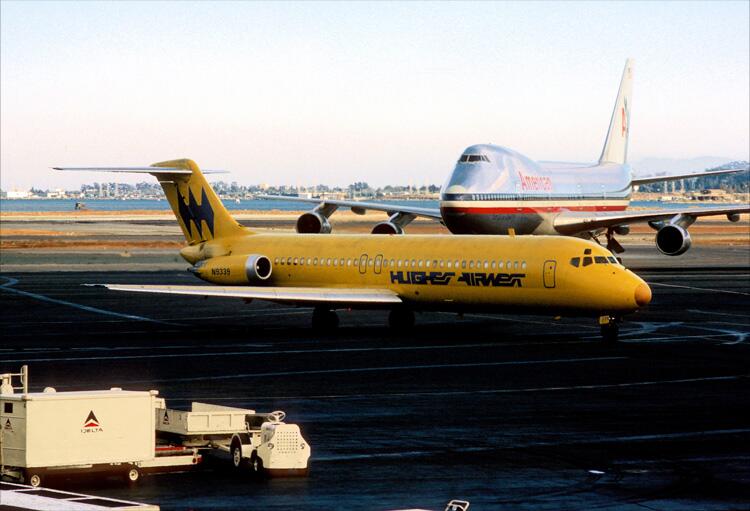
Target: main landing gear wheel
(324, 319)
(610, 327)
(401, 319)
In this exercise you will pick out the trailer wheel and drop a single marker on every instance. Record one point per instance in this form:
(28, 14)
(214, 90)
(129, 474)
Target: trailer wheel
(133, 475)
(33, 479)
(236, 451)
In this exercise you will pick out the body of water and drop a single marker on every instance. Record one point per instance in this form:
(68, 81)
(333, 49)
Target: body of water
(46, 205)
(162, 205)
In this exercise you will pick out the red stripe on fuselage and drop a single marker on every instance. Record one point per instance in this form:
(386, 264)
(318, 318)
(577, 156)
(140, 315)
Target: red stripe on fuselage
(521, 211)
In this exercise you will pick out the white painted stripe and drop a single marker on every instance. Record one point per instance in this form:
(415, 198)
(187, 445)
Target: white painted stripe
(258, 353)
(26, 497)
(380, 369)
(699, 276)
(520, 320)
(7, 287)
(700, 289)
(358, 397)
(541, 443)
(698, 311)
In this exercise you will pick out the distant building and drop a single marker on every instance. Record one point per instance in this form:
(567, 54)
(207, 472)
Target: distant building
(712, 194)
(57, 193)
(19, 194)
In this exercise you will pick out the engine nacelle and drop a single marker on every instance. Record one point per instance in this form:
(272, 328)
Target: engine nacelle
(387, 228)
(235, 270)
(673, 240)
(258, 268)
(313, 223)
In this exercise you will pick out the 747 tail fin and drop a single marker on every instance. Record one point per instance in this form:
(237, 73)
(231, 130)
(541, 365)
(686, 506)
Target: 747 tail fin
(198, 209)
(616, 145)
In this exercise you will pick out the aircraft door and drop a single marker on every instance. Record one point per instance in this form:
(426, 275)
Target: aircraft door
(378, 264)
(363, 264)
(549, 273)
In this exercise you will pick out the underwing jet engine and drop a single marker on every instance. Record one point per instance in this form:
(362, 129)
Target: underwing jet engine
(316, 221)
(672, 237)
(673, 240)
(395, 223)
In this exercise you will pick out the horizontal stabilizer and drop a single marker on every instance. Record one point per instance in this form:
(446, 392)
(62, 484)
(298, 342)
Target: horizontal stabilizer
(140, 170)
(296, 295)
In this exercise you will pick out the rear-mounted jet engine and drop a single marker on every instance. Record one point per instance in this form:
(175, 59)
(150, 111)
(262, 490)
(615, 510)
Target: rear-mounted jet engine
(251, 269)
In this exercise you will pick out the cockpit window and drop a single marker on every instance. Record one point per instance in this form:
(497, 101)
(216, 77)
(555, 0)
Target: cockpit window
(612, 259)
(575, 261)
(587, 261)
(473, 158)
(600, 260)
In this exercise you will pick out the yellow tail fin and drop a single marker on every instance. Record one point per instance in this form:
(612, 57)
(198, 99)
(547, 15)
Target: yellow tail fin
(198, 209)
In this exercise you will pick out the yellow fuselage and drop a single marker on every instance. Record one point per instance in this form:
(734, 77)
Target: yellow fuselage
(529, 273)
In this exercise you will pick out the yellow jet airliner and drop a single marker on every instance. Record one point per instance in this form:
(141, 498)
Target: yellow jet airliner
(548, 275)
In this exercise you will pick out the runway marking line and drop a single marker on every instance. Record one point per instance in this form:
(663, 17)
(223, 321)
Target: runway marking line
(698, 311)
(701, 289)
(301, 351)
(376, 369)
(239, 399)
(542, 443)
(8, 286)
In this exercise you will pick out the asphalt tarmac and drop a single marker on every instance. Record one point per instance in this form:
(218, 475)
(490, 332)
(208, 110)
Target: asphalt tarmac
(507, 412)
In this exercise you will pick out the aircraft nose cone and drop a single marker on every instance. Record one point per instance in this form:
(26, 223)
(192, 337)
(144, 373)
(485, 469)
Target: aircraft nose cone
(642, 294)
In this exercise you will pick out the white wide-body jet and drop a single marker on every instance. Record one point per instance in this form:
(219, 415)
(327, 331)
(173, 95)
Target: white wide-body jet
(493, 190)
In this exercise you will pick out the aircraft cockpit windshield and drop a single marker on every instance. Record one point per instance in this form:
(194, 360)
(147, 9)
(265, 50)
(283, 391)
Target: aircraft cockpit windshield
(589, 259)
(473, 158)
(488, 169)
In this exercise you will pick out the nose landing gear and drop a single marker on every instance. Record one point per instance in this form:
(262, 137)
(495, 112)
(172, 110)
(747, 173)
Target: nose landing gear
(610, 328)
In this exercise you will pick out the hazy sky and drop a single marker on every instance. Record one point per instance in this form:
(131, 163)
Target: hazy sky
(378, 92)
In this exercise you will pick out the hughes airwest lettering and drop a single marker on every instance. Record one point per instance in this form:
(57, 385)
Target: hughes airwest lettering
(437, 278)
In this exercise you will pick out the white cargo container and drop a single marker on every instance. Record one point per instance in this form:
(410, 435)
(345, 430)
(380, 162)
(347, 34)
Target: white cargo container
(52, 432)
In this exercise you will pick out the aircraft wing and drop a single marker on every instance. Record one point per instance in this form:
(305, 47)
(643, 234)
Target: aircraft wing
(644, 180)
(360, 207)
(290, 295)
(573, 222)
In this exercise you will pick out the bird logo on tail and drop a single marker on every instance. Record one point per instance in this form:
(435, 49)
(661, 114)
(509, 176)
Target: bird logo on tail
(190, 210)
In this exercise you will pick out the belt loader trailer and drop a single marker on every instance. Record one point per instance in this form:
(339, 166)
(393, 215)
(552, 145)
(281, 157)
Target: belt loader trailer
(51, 433)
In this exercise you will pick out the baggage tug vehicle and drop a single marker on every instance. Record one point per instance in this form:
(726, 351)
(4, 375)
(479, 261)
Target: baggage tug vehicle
(129, 433)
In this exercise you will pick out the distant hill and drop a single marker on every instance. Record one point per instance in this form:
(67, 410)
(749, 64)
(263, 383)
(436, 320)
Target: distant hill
(738, 183)
(649, 166)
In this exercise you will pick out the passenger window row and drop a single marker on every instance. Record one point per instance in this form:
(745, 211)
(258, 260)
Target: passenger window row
(403, 263)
